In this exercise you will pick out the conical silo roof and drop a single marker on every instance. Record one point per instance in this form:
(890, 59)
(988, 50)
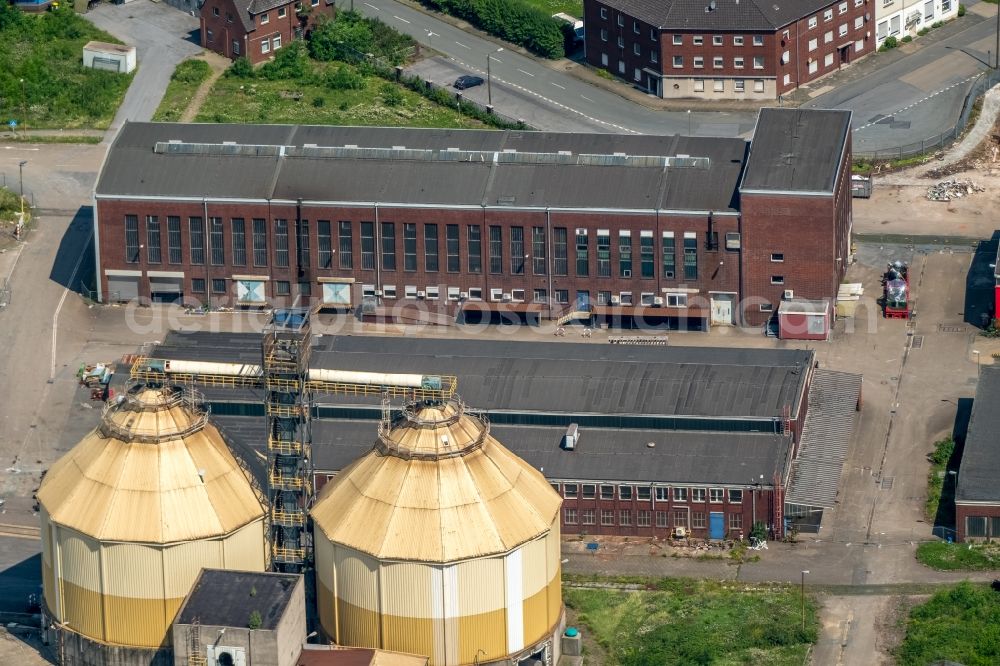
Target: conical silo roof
(154, 471)
(437, 487)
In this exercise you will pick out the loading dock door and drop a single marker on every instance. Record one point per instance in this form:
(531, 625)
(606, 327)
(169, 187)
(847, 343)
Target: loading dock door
(716, 525)
(166, 289)
(122, 288)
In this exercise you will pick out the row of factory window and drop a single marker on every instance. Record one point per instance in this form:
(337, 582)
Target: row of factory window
(982, 526)
(522, 251)
(644, 517)
(536, 295)
(607, 491)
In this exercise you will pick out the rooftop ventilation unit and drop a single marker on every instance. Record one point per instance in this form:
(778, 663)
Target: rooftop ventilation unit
(571, 437)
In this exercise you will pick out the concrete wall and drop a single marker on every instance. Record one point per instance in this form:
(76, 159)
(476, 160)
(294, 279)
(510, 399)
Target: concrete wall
(77, 650)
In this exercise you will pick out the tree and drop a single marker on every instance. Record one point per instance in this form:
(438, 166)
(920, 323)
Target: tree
(344, 38)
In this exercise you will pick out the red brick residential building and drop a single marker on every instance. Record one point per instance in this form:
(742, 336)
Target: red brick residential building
(257, 28)
(480, 225)
(708, 49)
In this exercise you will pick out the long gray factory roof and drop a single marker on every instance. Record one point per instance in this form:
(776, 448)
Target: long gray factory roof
(602, 453)
(553, 377)
(797, 150)
(418, 166)
(980, 467)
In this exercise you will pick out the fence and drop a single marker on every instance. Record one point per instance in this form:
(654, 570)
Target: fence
(984, 82)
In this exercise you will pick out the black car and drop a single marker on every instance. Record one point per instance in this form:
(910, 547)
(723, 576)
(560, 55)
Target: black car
(468, 81)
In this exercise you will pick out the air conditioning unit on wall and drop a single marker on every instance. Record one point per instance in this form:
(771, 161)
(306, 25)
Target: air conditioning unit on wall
(789, 294)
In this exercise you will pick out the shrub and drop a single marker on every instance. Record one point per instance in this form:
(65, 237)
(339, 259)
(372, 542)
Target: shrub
(889, 43)
(961, 10)
(255, 620)
(513, 20)
(907, 39)
(318, 102)
(291, 62)
(391, 94)
(923, 31)
(241, 69)
(340, 39)
(191, 71)
(345, 78)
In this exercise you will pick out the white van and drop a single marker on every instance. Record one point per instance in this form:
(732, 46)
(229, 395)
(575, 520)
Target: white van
(575, 22)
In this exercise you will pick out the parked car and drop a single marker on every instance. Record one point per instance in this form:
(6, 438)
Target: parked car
(468, 81)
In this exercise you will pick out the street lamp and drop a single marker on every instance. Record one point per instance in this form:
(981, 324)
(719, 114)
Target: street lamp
(974, 352)
(689, 122)
(24, 107)
(489, 78)
(803, 597)
(20, 171)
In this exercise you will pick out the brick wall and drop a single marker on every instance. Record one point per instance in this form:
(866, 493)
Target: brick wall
(963, 512)
(224, 31)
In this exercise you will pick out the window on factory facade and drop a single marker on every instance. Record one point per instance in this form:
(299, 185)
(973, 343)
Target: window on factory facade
(153, 239)
(538, 250)
(238, 232)
(198, 285)
(646, 254)
(475, 248)
(662, 494)
(324, 244)
(625, 517)
(677, 300)
(697, 519)
(560, 260)
(589, 491)
(539, 296)
(368, 246)
(643, 493)
(388, 246)
(475, 293)
(680, 494)
(661, 519)
(517, 250)
(669, 255)
(346, 252)
(388, 291)
(604, 298)
(715, 495)
(174, 254)
(430, 247)
(697, 494)
(625, 253)
(607, 492)
(561, 296)
(282, 288)
(777, 279)
(607, 516)
(680, 518)
(735, 496)
(625, 492)
(690, 256)
(259, 241)
(588, 516)
(305, 288)
(215, 240)
(569, 516)
(451, 248)
(218, 285)
(736, 521)
(281, 243)
(582, 253)
(603, 253)
(196, 234)
(642, 518)
(496, 249)
(409, 246)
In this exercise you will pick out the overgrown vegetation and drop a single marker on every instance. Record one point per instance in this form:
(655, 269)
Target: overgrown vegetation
(517, 21)
(10, 205)
(888, 43)
(46, 52)
(939, 457)
(184, 82)
(959, 556)
(958, 625)
(697, 622)
(350, 36)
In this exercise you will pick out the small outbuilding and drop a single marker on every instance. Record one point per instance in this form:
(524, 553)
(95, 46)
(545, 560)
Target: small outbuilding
(112, 57)
(802, 319)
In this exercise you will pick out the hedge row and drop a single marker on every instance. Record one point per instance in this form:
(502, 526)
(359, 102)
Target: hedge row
(512, 20)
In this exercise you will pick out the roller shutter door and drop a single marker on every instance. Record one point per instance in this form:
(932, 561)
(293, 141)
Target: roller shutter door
(122, 288)
(166, 289)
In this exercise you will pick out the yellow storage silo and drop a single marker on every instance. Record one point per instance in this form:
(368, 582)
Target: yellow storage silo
(134, 511)
(440, 542)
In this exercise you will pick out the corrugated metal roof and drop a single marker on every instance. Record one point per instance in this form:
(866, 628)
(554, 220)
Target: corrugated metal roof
(485, 501)
(197, 165)
(797, 150)
(226, 598)
(744, 15)
(980, 466)
(185, 486)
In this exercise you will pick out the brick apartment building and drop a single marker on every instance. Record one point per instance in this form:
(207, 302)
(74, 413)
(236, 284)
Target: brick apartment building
(707, 439)
(977, 494)
(726, 49)
(480, 225)
(257, 29)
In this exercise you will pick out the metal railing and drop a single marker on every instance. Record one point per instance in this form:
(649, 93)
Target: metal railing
(984, 82)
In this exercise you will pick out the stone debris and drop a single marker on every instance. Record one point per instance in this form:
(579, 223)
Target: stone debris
(947, 190)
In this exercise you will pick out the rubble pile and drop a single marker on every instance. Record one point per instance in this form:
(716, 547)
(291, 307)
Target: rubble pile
(947, 190)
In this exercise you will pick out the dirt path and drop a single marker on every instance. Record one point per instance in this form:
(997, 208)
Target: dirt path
(218, 65)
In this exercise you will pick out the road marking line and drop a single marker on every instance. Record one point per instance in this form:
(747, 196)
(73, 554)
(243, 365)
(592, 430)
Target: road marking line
(907, 108)
(464, 46)
(528, 73)
(373, 6)
(558, 86)
(586, 98)
(399, 18)
(62, 299)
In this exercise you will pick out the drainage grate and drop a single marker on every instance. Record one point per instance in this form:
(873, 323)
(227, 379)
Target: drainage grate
(887, 482)
(951, 329)
(916, 342)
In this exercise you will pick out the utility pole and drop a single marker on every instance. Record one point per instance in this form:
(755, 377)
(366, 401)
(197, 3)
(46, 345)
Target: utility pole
(24, 108)
(20, 170)
(489, 78)
(803, 597)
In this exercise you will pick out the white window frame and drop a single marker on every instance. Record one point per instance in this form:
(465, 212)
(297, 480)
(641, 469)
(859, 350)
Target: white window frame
(718, 62)
(813, 21)
(739, 85)
(475, 293)
(738, 62)
(517, 295)
(496, 294)
(677, 300)
(717, 40)
(698, 40)
(777, 279)
(625, 298)
(368, 290)
(842, 30)
(265, 18)
(758, 62)
(388, 291)
(758, 85)
(718, 85)
(813, 44)
(828, 15)
(282, 13)
(699, 62)
(859, 22)
(646, 298)
(828, 60)
(758, 40)
(604, 12)
(678, 40)
(828, 36)
(433, 293)
(699, 85)
(677, 61)
(410, 291)
(842, 8)
(276, 42)
(777, 257)
(454, 293)
(737, 40)
(265, 45)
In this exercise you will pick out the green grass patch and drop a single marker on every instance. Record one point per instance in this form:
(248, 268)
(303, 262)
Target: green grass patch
(572, 7)
(10, 205)
(697, 622)
(184, 83)
(939, 457)
(957, 625)
(959, 556)
(46, 51)
(54, 138)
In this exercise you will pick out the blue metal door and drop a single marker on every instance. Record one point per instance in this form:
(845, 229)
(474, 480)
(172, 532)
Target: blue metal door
(583, 301)
(716, 526)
